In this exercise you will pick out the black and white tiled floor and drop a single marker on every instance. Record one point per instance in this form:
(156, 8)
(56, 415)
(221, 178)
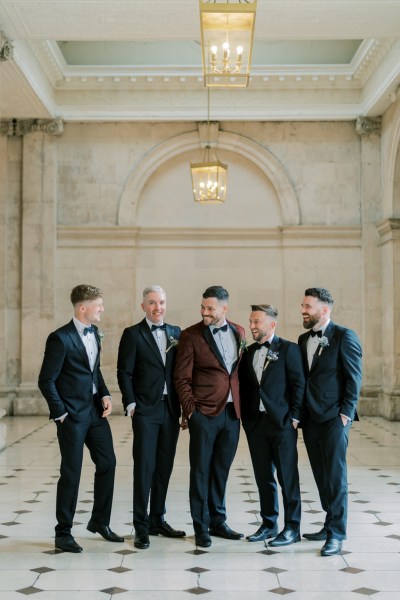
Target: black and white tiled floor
(369, 565)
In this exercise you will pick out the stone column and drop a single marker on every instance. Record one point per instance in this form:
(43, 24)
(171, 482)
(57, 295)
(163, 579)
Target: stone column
(370, 194)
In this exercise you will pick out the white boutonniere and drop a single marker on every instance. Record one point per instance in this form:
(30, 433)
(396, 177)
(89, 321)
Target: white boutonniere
(100, 335)
(242, 345)
(323, 343)
(271, 356)
(172, 342)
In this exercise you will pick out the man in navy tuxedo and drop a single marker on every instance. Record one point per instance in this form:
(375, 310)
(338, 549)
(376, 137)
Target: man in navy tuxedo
(79, 401)
(332, 360)
(272, 387)
(146, 361)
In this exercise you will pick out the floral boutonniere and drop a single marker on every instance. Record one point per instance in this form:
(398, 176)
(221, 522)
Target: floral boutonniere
(242, 345)
(100, 335)
(172, 342)
(271, 356)
(323, 343)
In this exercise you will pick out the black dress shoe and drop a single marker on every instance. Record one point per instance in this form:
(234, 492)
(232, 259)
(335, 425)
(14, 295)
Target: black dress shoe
(263, 533)
(66, 543)
(141, 540)
(203, 540)
(104, 531)
(226, 532)
(318, 536)
(332, 546)
(285, 538)
(166, 530)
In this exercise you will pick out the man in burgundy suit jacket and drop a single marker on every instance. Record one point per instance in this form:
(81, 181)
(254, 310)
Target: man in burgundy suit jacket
(206, 380)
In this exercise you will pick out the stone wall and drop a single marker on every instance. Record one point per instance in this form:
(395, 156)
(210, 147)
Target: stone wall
(111, 204)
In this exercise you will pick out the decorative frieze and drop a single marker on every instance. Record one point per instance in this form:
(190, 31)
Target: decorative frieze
(366, 125)
(6, 48)
(20, 127)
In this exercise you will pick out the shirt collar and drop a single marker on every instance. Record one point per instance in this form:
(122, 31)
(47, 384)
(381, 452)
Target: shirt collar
(79, 325)
(212, 327)
(150, 323)
(323, 328)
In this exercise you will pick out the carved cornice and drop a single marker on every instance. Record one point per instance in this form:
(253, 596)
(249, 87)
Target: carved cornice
(20, 127)
(6, 48)
(366, 125)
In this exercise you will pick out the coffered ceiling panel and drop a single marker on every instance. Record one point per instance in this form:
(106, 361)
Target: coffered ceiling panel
(138, 60)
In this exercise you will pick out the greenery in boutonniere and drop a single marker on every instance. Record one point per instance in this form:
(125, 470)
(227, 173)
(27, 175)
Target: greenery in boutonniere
(323, 343)
(172, 342)
(100, 335)
(242, 345)
(271, 356)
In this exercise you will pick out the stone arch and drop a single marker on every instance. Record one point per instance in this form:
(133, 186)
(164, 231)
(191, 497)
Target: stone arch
(186, 142)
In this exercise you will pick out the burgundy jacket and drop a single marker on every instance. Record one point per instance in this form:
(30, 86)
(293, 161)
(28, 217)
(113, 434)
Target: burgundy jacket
(200, 376)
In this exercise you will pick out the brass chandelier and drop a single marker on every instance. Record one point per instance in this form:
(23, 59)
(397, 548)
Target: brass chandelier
(227, 31)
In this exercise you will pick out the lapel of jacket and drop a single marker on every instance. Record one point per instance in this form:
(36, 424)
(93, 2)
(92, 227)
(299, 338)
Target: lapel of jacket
(213, 345)
(303, 349)
(148, 336)
(76, 339)
(237, 338)
(250, 352)
(328, 333)
(169, 331)
(274, 348)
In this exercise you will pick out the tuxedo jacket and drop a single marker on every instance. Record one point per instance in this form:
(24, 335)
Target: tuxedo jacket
(334, 379)
(141, 372)
(201, 378)
(65, 379)
(281, 389)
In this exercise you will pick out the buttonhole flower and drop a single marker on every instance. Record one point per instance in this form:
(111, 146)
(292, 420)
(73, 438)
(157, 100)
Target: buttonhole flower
(271, 356)
(172, 342)
(100, 335)
(323, 343)
(242, 345)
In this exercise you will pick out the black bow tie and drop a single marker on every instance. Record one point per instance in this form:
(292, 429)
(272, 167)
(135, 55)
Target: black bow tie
(317, 333)
(265, 344)
(89, 329)
(223, 328)
(154, 327)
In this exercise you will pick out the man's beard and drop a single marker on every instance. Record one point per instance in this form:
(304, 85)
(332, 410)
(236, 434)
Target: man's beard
(311, 321)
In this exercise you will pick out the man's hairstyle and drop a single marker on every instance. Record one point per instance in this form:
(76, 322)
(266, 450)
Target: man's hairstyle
(83, 292)
(217, 291)
(152, 288)
(322, 294)
(269, 310)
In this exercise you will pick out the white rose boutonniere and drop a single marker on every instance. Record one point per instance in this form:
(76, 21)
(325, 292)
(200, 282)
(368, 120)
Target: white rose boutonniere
(242, 345)
(172, 342)
(100, 335)
(271, 356)
(323, 343)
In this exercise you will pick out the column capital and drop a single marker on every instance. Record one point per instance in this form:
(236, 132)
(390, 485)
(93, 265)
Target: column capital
(366, 125)
(6, 48)
(20, 127)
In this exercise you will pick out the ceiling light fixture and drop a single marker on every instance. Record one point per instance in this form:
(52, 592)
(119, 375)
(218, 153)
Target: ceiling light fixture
(227, 31)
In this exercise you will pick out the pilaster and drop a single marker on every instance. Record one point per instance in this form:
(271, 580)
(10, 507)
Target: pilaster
(389, 232)
(370, 214)
(39, 187)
